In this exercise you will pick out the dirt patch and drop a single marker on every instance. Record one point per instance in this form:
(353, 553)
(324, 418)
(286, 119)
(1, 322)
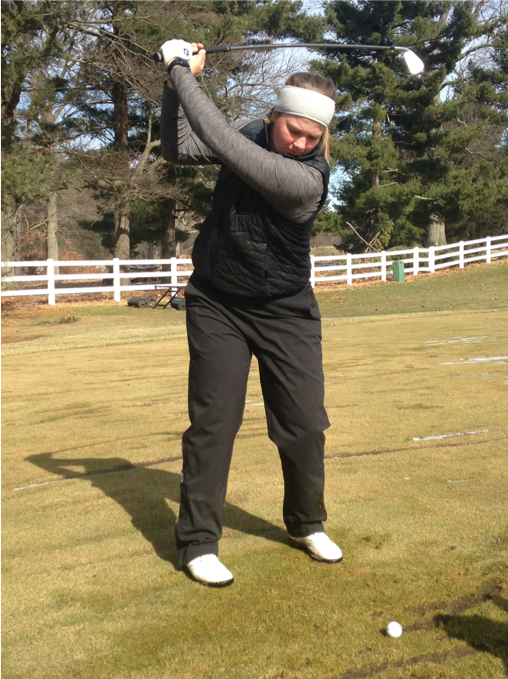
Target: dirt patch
(490, 590)
(27, 338)
(427, 447)
(427, 658)
(31, 303)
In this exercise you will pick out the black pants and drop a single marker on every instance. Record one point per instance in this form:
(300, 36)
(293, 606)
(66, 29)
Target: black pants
(285, 336)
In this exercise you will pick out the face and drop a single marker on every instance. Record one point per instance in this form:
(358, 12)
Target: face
(294, 135)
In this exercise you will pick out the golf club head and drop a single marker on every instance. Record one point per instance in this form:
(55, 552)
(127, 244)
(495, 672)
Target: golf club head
(413, 62)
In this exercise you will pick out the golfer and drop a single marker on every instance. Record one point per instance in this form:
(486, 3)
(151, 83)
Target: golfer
(250, 294)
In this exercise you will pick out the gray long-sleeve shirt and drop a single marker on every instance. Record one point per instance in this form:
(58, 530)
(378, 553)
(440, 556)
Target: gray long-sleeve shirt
(194, 132)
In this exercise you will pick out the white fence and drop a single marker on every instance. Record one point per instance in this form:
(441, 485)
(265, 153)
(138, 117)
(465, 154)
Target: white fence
(108, 272)
(174, 273)
(418, 260)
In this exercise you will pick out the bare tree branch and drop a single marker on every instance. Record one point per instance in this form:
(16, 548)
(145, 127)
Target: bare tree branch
(369, 245)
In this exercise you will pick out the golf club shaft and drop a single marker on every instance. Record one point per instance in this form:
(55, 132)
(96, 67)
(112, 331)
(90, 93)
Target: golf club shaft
(214, 49)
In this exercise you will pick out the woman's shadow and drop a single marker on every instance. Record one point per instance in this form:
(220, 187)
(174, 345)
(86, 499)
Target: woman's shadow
(143, 492)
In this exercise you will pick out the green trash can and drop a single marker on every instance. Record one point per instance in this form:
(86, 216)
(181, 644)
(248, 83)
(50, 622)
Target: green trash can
(398, 271)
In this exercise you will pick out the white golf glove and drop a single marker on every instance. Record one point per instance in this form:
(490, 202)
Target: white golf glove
(176, 48)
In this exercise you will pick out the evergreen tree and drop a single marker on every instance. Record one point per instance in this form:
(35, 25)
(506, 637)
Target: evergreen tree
(403, 147)
(485, 89)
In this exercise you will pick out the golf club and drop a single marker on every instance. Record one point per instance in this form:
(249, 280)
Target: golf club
(413, 62)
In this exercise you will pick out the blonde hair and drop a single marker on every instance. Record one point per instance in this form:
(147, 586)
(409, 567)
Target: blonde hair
(318, 83)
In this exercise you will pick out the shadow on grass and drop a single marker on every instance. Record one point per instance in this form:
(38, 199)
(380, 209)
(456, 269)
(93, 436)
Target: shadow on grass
(143, 493)
(479, 632)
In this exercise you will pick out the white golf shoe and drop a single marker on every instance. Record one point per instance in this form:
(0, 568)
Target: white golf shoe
(208, 570)
(321, 548)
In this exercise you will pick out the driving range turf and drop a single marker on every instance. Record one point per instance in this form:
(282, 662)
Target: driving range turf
(94, 406)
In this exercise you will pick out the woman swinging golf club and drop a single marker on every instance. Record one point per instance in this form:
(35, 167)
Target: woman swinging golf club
(250, 294)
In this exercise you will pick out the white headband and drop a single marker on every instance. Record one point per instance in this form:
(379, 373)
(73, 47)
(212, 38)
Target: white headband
(298, 101)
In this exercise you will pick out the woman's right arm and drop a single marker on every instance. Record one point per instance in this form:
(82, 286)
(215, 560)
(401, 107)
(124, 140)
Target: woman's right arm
(179, 144)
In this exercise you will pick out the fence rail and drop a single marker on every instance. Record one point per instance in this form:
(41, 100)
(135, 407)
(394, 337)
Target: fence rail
(174, 273)
(417, 260)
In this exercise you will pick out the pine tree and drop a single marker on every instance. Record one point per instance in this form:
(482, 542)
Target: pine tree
(403, 148)
(485, 89)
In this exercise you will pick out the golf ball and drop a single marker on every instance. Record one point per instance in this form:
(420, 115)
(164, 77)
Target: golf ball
(394, 630)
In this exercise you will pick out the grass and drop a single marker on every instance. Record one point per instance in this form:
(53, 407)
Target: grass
(94, 412)
(475, 287)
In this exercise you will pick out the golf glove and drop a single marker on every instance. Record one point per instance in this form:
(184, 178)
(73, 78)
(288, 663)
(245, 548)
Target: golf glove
(176, 48)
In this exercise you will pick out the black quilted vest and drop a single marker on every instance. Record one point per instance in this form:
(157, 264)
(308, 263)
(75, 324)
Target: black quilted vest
(245, 247)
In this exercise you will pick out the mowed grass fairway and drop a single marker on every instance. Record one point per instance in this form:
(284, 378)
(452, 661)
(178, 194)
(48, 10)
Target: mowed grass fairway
(93, 413)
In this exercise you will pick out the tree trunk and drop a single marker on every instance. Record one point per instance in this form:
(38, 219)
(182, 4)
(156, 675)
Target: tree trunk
(372, 220)
(121, 131)
(8, 242)
(52, 245)
(436, 234)
(121, 119)
(122, 230)
(169, 232)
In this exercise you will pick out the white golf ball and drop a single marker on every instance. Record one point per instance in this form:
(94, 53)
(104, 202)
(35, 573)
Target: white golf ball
(394, 630)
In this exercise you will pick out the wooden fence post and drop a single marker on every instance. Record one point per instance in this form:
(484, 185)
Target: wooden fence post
(432, 259)
(174, 275)
(349, 270)
(383, 265)
(416, 261)
(488, 246)
(461, 254)
(116, 280)
(51, 282)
